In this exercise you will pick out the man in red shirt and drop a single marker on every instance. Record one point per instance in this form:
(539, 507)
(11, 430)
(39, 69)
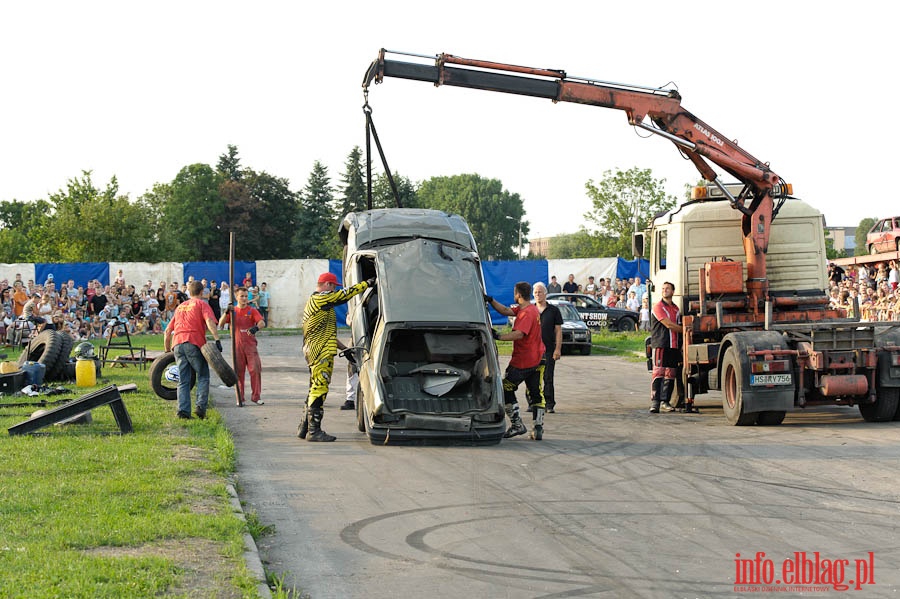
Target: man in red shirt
(247, 321)
(526, 363)
(185, 335)
(665, 343)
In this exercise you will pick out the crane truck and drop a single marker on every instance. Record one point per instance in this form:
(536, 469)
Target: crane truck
(748, 261)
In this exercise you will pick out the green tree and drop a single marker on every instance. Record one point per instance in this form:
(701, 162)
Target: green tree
(229, 165)
(272, 217)
(20, 226)
(573, 245)
(353, 184)
(193, 215)
(862, 229)
(485, 205)
(620, 197)
(93, 225)
(383, 196)
(154, 202)
(316, 232)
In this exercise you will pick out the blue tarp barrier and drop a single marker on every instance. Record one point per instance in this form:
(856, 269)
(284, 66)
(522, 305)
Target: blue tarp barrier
(630, 268)
(340, 312)
(501, 277)
(218, 271)
(80, 272)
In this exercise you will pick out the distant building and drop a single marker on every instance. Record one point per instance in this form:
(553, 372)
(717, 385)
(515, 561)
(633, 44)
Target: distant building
(539, 246)
(844, 238)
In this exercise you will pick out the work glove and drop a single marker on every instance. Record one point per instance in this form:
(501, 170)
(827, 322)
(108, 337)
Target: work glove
(495, 334)
(253, 330)
(219, 345)
(371, 282)
(488, 299)
(229, 309)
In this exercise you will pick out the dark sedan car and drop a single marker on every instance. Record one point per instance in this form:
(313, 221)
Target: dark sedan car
(576, 336)
(598, 316)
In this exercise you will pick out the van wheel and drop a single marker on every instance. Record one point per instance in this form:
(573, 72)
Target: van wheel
(732, 393)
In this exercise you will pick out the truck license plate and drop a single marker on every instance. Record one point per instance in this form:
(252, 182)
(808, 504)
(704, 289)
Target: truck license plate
(770, 379)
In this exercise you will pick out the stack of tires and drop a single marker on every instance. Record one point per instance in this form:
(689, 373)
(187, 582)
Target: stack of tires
(51, 349)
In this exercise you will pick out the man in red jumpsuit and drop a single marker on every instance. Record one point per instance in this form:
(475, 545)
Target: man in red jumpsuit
(247, 322)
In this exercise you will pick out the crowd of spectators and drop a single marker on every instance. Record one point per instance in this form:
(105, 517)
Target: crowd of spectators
(97, 311)
(872, 289)
(613, 293)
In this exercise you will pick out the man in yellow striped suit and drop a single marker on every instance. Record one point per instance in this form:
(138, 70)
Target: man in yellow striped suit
(320, 344)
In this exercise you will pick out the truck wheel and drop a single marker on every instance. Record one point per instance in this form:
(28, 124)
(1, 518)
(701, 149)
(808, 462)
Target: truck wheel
(885, 406)
(732, 393)
(771, 418)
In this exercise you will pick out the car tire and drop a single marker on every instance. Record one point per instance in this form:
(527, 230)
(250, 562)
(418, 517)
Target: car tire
(57, 372)
(626, 324)
(586, 350)
(217, 362)
(43, 349)
(163, 388)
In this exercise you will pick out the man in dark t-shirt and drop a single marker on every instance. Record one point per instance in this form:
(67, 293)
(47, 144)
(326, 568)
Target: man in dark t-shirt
(570, 286)
(551, 334)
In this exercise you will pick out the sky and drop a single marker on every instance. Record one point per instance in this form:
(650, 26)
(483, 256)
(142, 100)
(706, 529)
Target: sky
(140, 90)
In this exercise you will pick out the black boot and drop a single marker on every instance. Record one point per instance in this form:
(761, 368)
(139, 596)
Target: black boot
(315, 427)
(516, 426)
(303, 427)
(537, 432)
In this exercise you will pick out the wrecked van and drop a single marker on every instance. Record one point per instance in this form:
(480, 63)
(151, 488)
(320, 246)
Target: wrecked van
(428, 366)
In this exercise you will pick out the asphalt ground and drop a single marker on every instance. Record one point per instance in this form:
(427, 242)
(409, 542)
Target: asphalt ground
(614, 502)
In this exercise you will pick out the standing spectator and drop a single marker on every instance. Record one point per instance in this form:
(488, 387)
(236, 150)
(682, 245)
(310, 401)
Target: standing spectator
(638, 287)
(551, 335)
(644, 324)
(894, 275)
(570, 286)
(525, 365)
(245, 321)
(633, 303)
(119, 282)
(224, 296)
(320, 344)
(248, 281)
(554, 286)
(591, 287)
(214, 295)
(666, 333)
(264, 302)
(171, 301)
(836, 273)
(185, 335)
(19, 298)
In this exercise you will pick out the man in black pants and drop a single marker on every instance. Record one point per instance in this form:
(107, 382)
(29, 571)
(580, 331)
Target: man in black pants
(551, 334)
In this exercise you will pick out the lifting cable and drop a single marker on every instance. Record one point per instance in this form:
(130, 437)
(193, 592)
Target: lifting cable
(370, 133)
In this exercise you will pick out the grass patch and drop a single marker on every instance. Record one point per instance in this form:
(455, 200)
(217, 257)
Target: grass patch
(87, 512)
